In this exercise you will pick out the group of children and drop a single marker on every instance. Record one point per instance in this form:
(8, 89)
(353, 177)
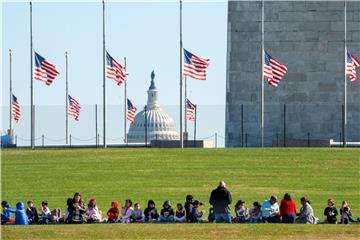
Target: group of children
(77, 213)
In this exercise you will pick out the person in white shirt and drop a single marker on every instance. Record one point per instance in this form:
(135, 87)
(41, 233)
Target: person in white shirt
(270, 210)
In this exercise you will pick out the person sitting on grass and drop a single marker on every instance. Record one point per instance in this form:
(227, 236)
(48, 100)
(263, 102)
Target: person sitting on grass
(306, 214)
(77, 210)
(196, 213)
(270, 210)
(188, 207)
(331, 212)
(241, 212)
(31, 212)
(211, 216)
(151, 214)
(255, 213)
(180, 213)
(126, 211)
(345, 213)
(113, 213)
(45, 213)
(20, 215)
(92, 214)
(6, 215)
(167, 213)
(137, 216)
(287, 209)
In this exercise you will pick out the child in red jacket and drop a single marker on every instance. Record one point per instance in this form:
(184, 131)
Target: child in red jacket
(113, 212)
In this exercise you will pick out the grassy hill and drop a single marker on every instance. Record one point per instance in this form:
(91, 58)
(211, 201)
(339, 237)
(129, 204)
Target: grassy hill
(161, 174)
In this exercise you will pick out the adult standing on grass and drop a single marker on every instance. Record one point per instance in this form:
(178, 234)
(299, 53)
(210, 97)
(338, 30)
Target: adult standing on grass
(221, 199)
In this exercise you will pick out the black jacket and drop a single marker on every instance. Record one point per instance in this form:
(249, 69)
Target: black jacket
(220, 199)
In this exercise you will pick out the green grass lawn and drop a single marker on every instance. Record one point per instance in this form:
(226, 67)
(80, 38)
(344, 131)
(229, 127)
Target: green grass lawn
(160, 174)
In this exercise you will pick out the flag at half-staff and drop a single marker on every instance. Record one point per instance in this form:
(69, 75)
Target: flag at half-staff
(274, 71)
(351, 64)
(131, 110)
(190, 110)
(15, 108)
(74, 108)
(115, 70)
(194, 66)
(44, 71)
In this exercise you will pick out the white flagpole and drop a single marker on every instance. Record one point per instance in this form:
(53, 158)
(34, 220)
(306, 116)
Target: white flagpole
(181, 100)
(104, 83)
(66, 101)
(185, 109)
(345, 81)
(10, 97)
(32, 114)
(262, 74)
(125, 105)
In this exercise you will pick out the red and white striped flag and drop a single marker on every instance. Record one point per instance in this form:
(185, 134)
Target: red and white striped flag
(74, 108)
(274, 71)
(351, 64)
(131, 110)
(114, 70)
(44, 71)
(194, 66)
(15, 108)
(190, 110)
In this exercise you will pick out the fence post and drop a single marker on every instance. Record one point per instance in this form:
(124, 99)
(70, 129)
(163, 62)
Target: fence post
(70, 140)
(16, 140)
(284, 125)
(242, 125)
(98, 139)
(308, 139)
(42, 140)
(246, 139)
(340, 139)
(215, 140)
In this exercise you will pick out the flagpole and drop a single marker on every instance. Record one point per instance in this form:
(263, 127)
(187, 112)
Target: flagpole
(345, 82)
(125, 105)
(196, 108)
(262, 74)
(66, 101)
(104, 85)
(181, 100)
(32, 117)
(185, 98)
(10, 96)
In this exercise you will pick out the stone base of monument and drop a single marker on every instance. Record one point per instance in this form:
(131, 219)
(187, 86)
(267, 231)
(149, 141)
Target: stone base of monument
(187, 144)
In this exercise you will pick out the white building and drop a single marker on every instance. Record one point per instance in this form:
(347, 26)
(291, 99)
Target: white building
(160, 125)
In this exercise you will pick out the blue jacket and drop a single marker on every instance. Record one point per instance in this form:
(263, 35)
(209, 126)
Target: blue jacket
(7, 213)
(20, 215)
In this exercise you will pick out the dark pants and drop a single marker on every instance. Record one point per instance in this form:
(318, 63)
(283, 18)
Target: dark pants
(288, 218)
(273, 219)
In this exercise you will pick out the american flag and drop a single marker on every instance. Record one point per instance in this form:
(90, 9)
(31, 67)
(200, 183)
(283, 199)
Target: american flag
(44, 71)
(351, 64)
(194, 66)
(131, 110)
(190, 110)
(15, 108)
(273, 70)
(74, 108)
(114, 70)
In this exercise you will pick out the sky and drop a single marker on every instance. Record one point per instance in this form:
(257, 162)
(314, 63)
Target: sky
(145, 32)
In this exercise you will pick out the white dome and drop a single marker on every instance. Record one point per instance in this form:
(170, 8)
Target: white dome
(160, 125)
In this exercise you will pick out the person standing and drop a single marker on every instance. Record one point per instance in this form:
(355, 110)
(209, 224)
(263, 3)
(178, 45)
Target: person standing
(221, 198)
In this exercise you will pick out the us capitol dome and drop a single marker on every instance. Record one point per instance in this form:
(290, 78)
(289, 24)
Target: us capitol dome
(160, 125)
